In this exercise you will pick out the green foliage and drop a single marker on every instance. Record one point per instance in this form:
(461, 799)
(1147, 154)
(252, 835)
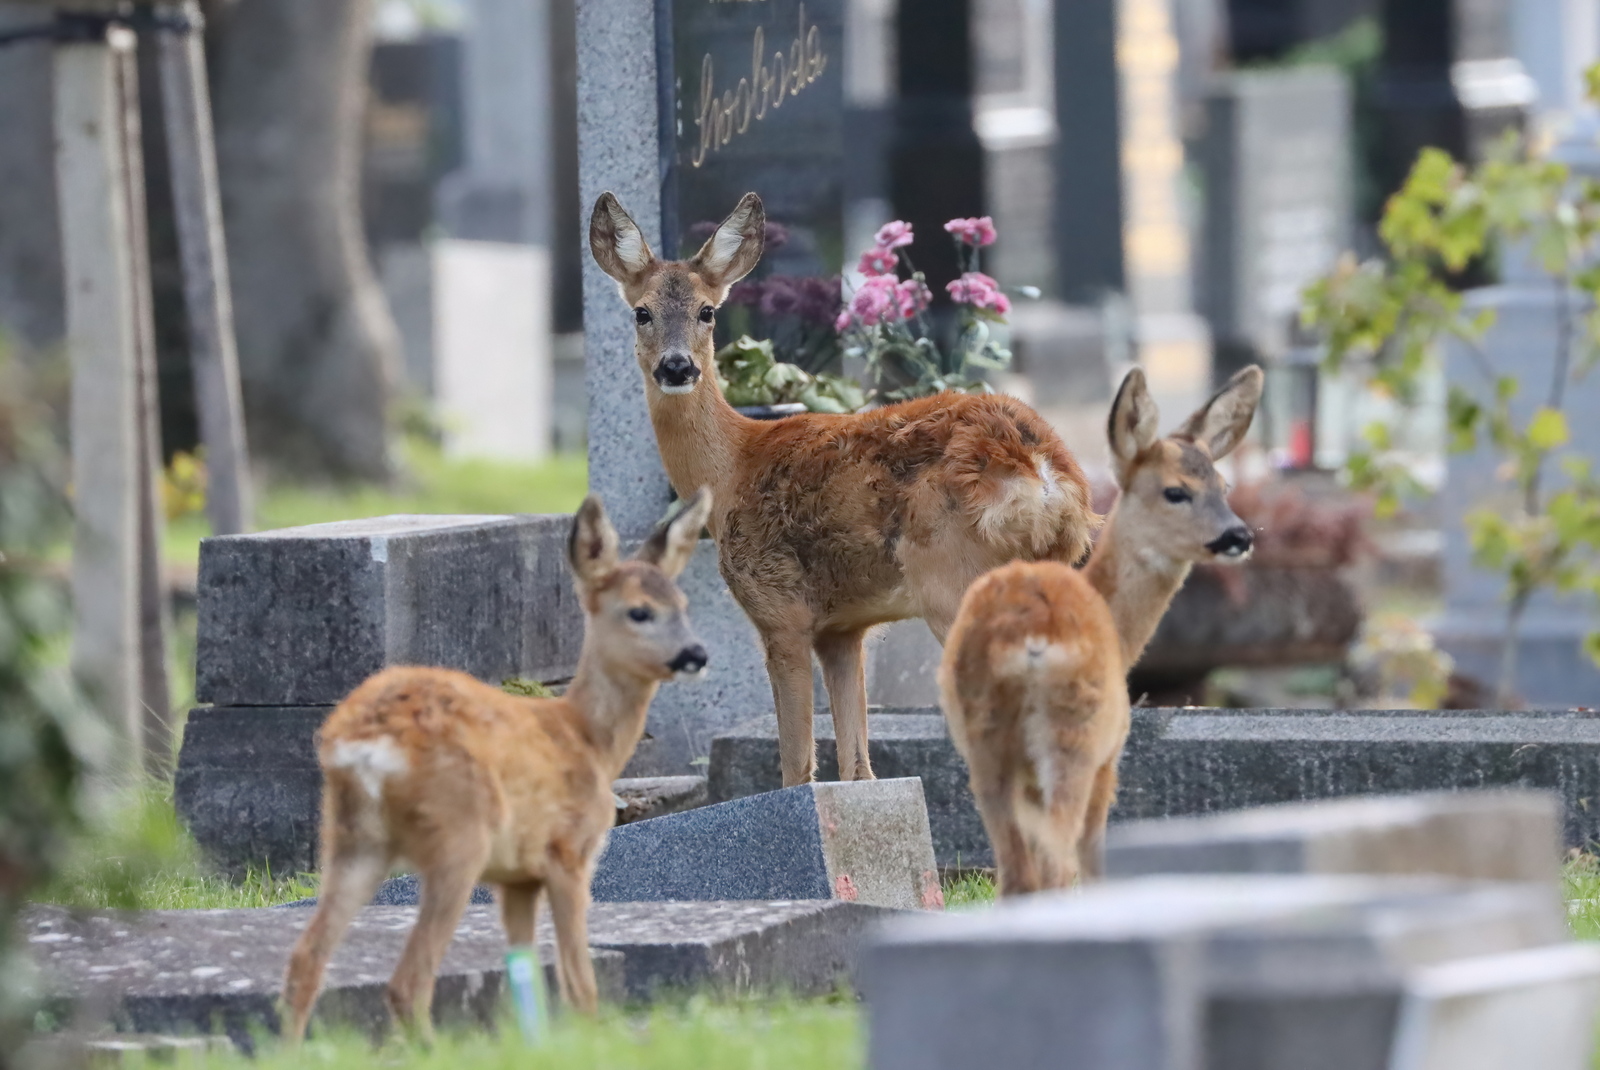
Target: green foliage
(137, 855)
(521, 685)
(1392, 315)
(47, 738)
(969, 889)
(750, 374)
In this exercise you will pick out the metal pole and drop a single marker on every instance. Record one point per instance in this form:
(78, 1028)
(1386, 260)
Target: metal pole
(197, 205)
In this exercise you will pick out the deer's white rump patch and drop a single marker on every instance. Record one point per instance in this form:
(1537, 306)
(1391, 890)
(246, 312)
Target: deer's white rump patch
(371, 760)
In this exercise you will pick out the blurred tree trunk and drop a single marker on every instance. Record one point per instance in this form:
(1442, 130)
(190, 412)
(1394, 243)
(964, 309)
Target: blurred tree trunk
(318, 350)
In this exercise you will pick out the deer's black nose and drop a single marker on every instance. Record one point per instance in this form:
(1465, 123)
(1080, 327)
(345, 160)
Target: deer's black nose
(675, 369)
(1235, 542)
(689, 659)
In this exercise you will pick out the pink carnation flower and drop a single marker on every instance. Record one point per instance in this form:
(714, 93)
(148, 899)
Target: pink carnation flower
(978, 231)
(914, 296)
(878, 261)
(877, 301)
(842, 323)
(979, 290)
(894, 235)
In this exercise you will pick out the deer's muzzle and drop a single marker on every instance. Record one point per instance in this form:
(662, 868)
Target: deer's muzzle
(676, 373)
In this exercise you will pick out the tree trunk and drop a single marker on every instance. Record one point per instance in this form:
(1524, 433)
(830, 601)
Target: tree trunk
(318, 351)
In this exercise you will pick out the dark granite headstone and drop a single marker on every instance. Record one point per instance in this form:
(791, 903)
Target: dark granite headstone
(1277, 164)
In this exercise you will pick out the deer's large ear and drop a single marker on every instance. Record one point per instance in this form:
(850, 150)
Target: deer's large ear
(672, 544)
(731, 253)
(1132, 427)
(618, 246)
(1220, 424)
(592, 546)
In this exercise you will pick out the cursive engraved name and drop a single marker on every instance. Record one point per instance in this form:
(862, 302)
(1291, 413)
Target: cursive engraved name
(721, 118)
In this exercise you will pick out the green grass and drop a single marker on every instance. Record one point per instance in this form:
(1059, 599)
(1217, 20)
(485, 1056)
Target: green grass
(429, 483)
(138, 856)
(969, 888)
(700, 1034)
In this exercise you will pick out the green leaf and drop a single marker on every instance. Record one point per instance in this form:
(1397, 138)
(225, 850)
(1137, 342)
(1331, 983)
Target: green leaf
(1591, 646)
(1548, 429)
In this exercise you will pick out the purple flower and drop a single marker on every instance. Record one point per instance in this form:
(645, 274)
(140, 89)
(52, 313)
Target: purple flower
(781, 297)
(746, 292)
(776, 236)
(820, 298)
(894, 235)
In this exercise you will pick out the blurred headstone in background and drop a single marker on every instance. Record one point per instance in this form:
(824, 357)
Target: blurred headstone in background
(1448, 78)
(1277, 158)
(460, 192)
(1268, 29)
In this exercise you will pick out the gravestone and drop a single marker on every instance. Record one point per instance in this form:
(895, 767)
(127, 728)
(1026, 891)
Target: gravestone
(1522, 343)
(1199, 761)
(865, 841)
(1277, 210)
(209, 971)
(1248, 973)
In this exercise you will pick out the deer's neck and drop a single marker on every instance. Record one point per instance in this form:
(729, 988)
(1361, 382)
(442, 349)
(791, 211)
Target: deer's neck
(613, 707)
(1137, 582)
(701, 438)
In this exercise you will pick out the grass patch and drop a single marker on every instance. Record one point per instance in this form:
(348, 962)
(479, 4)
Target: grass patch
(430, 483)
(699, 1034)
(138, 856)
(968, 888)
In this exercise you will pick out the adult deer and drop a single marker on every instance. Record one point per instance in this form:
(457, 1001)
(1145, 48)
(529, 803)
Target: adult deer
(469, 784)
(1034, 676)
(827, 525)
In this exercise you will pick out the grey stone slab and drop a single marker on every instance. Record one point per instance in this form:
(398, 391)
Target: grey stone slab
(1180, 973)
(300, 616)
(1195, 761)
(866, 841)
(1507, 835)
(211, 971)
(642, 798)
(744, 761)
(249, 788)
(221, 971)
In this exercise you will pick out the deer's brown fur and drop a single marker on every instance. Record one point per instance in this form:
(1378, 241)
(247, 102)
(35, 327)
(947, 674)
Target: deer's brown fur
(829, 524)
(1033, 679)
(467, 783)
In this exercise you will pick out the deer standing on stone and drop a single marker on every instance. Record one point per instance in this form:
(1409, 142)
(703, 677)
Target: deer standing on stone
(829, 524)
(1034, 675)
(468, 783)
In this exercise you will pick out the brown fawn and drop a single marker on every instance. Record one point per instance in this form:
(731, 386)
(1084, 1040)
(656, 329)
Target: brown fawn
(1034, 676)
(468, 783)
(829, 524)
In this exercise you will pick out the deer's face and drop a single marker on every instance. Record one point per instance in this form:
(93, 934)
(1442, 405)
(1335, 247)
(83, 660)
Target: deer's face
(637, 618)
(1174, 501)
(674, 304)
(673, 321)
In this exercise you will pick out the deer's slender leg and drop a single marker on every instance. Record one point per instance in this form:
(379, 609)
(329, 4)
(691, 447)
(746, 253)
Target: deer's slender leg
(789, 668)
(569, 910)
(446, 889)
(1092, 846)
(844, 675)
(519, 910)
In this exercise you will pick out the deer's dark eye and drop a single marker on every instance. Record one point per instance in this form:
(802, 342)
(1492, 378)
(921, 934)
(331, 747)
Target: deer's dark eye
(1177, 495)
(707, 314)
(641, 614)
(641, 315)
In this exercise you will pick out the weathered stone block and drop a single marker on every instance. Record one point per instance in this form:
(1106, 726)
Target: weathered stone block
(865, 841)
(1179, 973)
(642, 798)
(300, 616)
(1491, 835)
(206, 971)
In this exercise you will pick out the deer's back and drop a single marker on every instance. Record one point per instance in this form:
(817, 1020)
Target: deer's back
(828, 504)
(450, 749)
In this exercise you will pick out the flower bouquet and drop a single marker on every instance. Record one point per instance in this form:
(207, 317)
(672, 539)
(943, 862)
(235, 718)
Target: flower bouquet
(886, 321)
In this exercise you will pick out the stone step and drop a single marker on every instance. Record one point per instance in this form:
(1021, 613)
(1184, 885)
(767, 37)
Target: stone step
(1250, 973)
(211, 971)
(1195, 760)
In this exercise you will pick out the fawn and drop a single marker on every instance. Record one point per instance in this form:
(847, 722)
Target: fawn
(829, 524)
(468, 783)
(1034, 676)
